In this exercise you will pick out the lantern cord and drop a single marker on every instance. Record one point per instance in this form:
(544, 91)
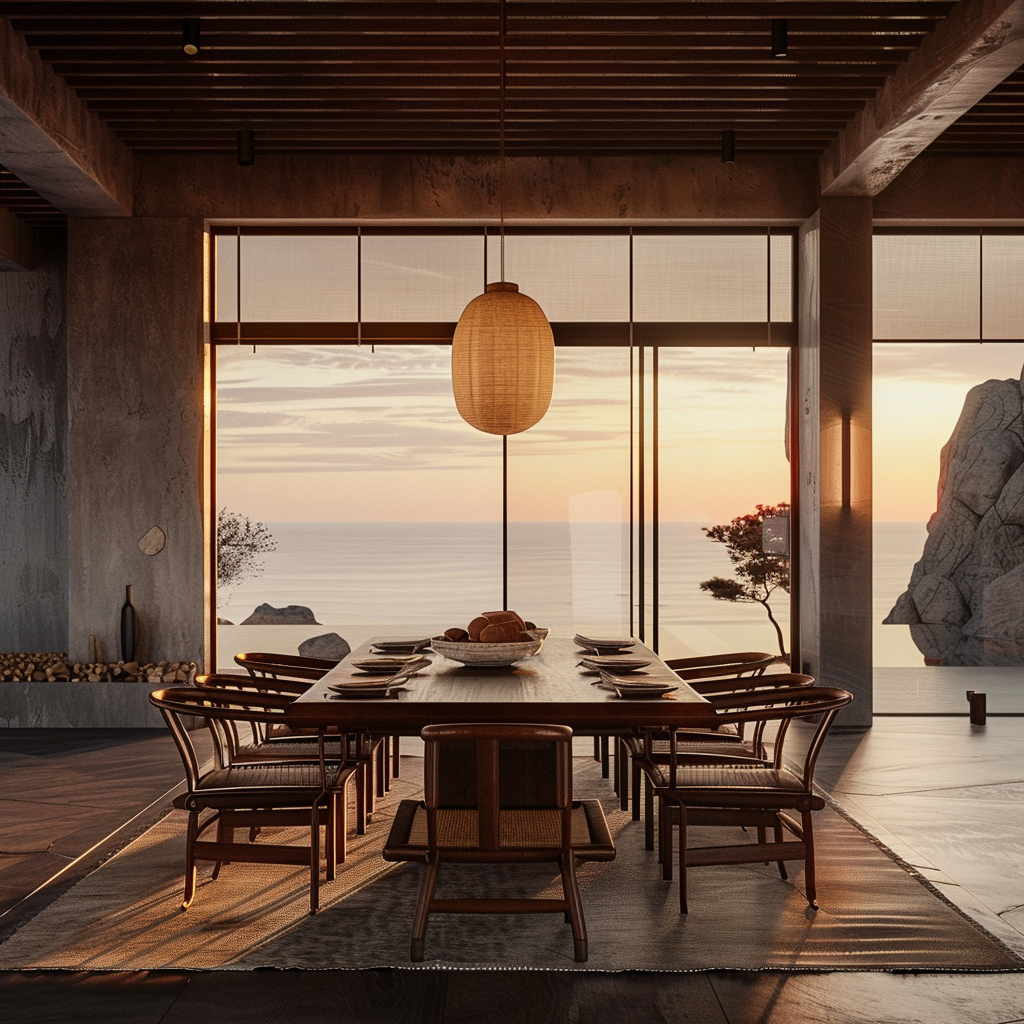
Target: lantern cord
(501, 134)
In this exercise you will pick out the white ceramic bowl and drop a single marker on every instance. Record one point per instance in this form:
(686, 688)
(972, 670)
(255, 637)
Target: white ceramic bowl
(486, 655)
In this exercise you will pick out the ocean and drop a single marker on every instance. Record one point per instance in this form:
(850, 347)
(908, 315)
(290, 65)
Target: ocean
(364, 579)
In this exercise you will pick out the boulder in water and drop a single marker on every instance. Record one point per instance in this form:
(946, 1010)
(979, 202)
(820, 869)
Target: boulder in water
(328, 646)
(963, 603)
(292, 615)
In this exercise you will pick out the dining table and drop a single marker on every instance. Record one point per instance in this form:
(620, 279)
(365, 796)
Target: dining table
(548, 688)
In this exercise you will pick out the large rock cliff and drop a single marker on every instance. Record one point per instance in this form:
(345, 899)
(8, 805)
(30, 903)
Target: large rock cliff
(965, 600)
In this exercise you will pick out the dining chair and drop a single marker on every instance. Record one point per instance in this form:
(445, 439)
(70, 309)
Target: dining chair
(746, 795)
(499, 794)
(267, 665)
(725, 743)
(253, 795)
(262, 744)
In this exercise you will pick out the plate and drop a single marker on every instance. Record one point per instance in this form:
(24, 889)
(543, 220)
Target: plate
(620, 662)
(643, 692)
(625, 641)
(486, 655)
(401, 645)
(367, 692)
(390, 664)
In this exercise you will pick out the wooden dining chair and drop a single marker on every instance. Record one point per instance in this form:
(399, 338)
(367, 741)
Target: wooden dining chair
(499, 794)
(281, 667)
(252, 796)
(261, 744)
(737, 663)
(750, 796)
(726, 743)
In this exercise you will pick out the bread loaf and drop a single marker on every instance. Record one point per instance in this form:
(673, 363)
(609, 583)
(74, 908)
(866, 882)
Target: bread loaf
(500, 632)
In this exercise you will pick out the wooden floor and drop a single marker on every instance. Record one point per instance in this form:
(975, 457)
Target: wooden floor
(79, 791)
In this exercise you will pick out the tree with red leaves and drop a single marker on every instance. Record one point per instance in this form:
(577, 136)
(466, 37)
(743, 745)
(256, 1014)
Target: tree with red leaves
(760, 572)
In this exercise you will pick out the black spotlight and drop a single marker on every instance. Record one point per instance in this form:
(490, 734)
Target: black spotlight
(190, 36)
(728, 146)
(780, 44)
(246, 147)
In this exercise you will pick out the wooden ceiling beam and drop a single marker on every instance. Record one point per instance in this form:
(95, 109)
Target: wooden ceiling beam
(53, 142)
(971, 52)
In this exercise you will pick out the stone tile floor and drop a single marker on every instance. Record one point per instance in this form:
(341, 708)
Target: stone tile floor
(943, 794)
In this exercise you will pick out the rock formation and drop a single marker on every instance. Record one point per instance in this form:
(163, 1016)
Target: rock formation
(329, 646)
(293, 615)
(965, 600)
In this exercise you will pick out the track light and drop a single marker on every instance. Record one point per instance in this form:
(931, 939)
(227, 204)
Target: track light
(780, 45)
(728, 146)
(246, 147)
(190, 36)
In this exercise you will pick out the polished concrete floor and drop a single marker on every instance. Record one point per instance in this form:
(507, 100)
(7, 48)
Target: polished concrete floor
(943, 794)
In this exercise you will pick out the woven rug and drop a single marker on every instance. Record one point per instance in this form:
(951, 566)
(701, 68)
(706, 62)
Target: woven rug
(874, 914)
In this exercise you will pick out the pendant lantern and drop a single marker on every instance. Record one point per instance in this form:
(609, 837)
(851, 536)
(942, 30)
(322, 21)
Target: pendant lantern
(503, 361)
(503, 351)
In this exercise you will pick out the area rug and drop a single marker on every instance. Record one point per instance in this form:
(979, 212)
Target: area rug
(874, 914)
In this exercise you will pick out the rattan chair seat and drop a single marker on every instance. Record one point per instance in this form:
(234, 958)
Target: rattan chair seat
(535, 827)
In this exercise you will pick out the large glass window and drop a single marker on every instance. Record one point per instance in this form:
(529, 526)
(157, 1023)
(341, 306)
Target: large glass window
(337, 430)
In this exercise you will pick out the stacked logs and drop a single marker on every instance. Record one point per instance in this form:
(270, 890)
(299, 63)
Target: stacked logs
(42, 667)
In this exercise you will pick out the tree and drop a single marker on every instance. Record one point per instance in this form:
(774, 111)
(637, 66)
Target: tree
(760, 572)
(240, 542)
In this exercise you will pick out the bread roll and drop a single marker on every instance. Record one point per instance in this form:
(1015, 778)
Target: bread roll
(504, 616)
(500, 633)
(475, 626)
(456, 634)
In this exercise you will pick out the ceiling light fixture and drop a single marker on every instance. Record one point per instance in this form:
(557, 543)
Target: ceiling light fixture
(190, 36)
(246, 147)
(503, 351)
(780, 44)
(728, 146)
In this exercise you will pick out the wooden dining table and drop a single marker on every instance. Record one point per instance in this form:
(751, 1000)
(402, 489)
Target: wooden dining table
(548, 688)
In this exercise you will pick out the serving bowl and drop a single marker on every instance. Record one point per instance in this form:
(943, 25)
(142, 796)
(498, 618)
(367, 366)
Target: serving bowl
(486, 655)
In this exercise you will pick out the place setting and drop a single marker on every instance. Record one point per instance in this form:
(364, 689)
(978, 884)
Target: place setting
(633, 686)
(604, 646)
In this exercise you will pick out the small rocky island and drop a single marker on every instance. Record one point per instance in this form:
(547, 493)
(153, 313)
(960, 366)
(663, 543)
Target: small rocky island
(965, 600)
(291, 615)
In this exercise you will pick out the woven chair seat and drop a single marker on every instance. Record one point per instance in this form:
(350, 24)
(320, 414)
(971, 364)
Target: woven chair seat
(736, 778)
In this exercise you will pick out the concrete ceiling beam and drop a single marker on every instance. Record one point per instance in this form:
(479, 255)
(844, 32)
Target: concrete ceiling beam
(968, 54)
(52, 141)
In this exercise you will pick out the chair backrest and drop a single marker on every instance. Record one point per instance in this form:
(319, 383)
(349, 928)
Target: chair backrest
(741, 663)
(491, 770)
(222, 710)
(784, 705)
(736, 684)
(273, 666)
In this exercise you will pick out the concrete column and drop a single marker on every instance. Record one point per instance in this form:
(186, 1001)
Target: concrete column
(835, 449)
(135, 447)
(33, 453)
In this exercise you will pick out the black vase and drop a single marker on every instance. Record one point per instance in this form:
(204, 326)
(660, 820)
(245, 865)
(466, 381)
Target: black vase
(129, 626)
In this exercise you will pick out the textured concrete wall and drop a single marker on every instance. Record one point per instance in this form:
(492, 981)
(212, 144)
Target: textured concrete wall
(135, 434)
(33, 455)
(835, 449)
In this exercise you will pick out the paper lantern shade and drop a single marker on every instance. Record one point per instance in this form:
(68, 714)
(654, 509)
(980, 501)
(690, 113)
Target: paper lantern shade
(503, 361)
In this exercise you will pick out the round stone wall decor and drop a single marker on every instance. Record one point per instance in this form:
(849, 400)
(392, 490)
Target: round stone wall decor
(153, 542)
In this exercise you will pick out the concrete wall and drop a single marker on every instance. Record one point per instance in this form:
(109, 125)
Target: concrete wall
(135, 449)
(33, 453)
(835, 450)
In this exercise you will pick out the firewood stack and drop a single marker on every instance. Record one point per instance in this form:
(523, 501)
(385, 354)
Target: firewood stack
(39, 667)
